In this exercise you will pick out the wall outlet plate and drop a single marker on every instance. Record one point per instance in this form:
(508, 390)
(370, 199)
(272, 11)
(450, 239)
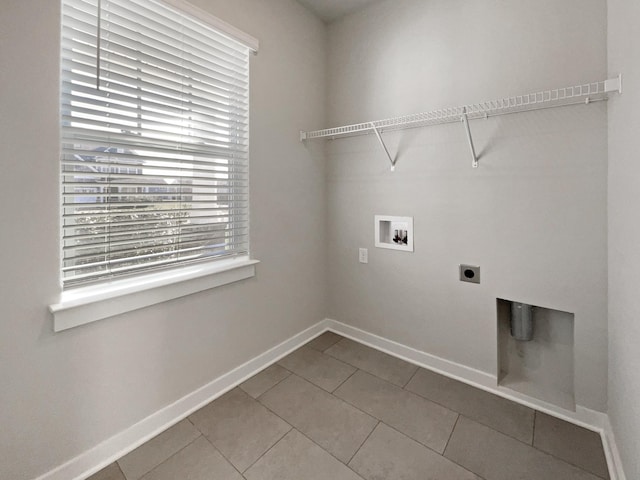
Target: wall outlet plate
(470, 273)
(363, 255)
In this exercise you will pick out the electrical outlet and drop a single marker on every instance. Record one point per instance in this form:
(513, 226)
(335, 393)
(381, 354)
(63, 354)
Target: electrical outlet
(470, 273)
(363, 255)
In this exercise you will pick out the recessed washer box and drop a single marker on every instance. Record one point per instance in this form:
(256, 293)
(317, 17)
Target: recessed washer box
(395, 233)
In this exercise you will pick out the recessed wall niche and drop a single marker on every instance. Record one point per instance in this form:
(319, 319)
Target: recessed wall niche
(543, 366)
(395, 233)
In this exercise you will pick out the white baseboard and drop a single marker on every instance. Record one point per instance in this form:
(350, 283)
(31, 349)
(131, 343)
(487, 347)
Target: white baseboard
(124, 442)
(584, 417)
(98, 457)
(612, 453)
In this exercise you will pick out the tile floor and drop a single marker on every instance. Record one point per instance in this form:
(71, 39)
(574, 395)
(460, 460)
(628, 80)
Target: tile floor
(336, 409)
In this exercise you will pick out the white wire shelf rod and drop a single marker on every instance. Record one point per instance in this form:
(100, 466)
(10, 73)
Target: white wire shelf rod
(559, 97)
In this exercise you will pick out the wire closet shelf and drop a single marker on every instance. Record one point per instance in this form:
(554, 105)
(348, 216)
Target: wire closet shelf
(560, 97)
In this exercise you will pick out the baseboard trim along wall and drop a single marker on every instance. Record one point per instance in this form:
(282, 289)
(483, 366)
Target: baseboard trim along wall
(124, 442)
(98, 457)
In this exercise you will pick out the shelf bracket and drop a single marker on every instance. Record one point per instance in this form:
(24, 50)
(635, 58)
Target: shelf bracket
(613, 85)
(391, 160)
(465, 120)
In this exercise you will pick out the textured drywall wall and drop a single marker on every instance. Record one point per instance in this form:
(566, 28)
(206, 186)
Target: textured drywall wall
(533, 215)
(64, 393)
(624, 234)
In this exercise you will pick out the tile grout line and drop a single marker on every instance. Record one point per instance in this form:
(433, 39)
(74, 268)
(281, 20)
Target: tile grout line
(559, 458)
(412, 439)
(268, 449)
(271, 387)
(451, 434)
(435, 451)
(221, 454)
(332, 394)
(264, 453)
(371, 373)
(320, 446)
(356, 407)
(459, 414)
(343, 382)
(308, 344)
(346, 364)
(382, 421)
(362, 444)
(423, 446)
(121, 472)
(526, 444)
(453, 461)
(411, 378)
(568, 463)
(166, 459)
(328, 347)
(293, 427)
(448, 407)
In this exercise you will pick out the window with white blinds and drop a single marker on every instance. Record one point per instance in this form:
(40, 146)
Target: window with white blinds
(155, 140)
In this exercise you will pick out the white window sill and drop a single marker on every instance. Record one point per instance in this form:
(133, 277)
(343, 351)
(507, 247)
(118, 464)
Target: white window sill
(88, 304)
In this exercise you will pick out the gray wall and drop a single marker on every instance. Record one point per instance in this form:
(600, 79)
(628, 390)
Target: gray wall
(533, 216)
(63, 393)
(624, 234)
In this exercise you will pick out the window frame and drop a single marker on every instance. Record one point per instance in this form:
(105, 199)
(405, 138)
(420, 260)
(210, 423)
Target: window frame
(84, 304)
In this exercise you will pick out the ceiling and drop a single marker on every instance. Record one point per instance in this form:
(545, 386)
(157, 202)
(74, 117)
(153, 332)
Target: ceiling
(330, 10)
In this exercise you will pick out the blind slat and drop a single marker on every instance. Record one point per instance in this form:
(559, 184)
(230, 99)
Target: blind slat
(114, 256)
(213, 111)
(179, 240)
(117, 230)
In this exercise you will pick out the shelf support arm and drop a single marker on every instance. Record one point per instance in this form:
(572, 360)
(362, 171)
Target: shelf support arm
(465, 120)
(386, 150)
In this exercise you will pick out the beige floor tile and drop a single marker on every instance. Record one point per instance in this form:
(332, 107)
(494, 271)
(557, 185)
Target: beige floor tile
(413, 415)
(263, 381)
(198, 461)
(388, 455)
(324, 341)
(239, 427)
(296, 457)
(111, 472)
(576, 445)
(151, 454)
(495, 456)
(320, 369)
(333, 424)
(496, 412)
(377, 363)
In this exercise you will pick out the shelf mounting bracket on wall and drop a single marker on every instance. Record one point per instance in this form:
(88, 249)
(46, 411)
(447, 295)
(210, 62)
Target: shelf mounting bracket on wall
(613, 84)
(386, 150)
(465, 120)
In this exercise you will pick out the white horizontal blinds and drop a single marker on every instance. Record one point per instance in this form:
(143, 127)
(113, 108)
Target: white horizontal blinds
(155, 140)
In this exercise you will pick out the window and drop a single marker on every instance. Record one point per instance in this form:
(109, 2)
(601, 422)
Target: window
(155, 140)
